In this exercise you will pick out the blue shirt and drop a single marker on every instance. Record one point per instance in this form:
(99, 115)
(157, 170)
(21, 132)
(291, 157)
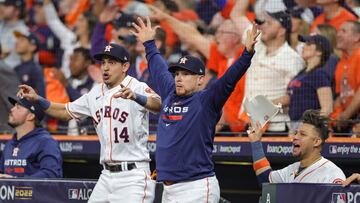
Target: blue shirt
(35, 155)
(30, 73)
(303, 91)
(186, 126)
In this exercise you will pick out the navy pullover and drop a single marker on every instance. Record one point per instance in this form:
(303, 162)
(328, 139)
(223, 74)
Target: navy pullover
(186, 127)
(36, 155)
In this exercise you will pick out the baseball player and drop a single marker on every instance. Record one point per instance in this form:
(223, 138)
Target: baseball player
(32, 152)
(121, 121)
(307, 145)
(188, 118)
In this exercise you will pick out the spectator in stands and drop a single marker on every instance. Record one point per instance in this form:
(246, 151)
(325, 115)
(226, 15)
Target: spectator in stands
(81, 37)
(77, 85)
(8, 87)
(307, 145)
(29, 71)
(119, 24)
(32, 152)
(220, 54)
(311, 88)
(334, 14)
(49, 50)
(347, 77)
(12, 12)
(274, 64)
(355, 177)
(329, 32)
(299, 27)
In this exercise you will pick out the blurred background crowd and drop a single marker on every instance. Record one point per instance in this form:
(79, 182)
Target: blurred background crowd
(49, 44)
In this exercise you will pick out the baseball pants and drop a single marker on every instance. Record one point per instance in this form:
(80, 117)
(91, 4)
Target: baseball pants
(134, 186)
(204, 190)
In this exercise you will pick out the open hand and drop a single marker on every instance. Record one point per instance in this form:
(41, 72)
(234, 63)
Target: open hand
(251, 37)
(144, 32)
(28, 93)
(255, 132)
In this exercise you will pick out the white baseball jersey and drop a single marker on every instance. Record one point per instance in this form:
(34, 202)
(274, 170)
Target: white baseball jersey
(121, 124)
(322, 171)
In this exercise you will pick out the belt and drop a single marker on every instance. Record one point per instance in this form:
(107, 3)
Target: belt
(119, 167)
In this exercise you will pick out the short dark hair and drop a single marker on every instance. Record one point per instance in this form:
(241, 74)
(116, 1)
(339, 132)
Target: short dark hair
(85, 52)
(314, 118)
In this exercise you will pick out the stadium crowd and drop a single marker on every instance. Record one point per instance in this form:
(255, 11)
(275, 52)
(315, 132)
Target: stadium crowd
(307, 57)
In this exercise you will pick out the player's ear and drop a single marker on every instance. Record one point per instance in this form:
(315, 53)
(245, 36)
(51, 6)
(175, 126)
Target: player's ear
(318, 141)
(30, 117)
(126, 67)
(201, 80)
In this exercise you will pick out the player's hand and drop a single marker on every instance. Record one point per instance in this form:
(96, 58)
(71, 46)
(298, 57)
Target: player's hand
(28, 93)
(251, 36)
(6, 176)
(144, 32)
(353, 178)
(125, 93)
(256, 132)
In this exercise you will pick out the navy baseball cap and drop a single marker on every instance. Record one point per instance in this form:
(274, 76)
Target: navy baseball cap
(284, 19)
(114, 51)
(296, 12)
(189, 63)
(16, 3)
(33, 107)
(320, 41)
(125, 20)
(30, 36)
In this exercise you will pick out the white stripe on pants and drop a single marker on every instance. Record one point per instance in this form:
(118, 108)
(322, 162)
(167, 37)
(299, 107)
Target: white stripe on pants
(203, 190)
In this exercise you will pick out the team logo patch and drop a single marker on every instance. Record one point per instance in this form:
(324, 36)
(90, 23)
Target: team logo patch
(15, 151)
(107, 48)
(183, 60)
(338, 198)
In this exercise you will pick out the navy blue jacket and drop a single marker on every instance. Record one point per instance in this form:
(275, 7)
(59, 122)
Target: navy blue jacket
(36, 155)
(186, 129)
(30, 73)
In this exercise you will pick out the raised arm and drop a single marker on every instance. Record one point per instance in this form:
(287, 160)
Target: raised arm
(187, 33)
(158, 68)
(53, 109)
(261, 165)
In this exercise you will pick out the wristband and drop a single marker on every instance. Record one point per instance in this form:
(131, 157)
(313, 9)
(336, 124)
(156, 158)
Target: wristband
(44, 103)
(140, 99)
(257, 151)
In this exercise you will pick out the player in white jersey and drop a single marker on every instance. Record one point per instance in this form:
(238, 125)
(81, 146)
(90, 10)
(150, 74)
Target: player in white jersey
(118, 108)
(307, 145)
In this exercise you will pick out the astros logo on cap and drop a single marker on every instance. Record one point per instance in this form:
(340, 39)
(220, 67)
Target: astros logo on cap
(183, 60)
(107, 48)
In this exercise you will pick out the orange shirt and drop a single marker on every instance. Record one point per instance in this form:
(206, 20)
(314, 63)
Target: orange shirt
(55, 92)
(73, 15)
(229, 7)
(347, 69)
(171, 37)
(219, 63)
(336, 21)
